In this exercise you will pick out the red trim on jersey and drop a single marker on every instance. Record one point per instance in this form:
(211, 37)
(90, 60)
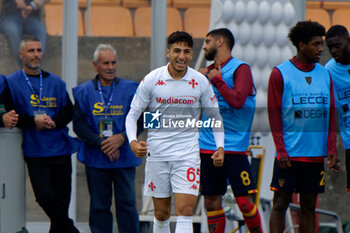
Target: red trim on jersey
(274, 103)
(319, 159)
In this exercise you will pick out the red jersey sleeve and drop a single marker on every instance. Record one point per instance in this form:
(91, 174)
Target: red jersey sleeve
(243, 86)
(274, 103)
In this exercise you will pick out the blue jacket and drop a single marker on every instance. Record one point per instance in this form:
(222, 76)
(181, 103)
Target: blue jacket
(54, 102)
(89, 111)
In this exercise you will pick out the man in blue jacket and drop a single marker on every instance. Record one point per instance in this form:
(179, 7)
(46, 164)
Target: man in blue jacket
(44, 109)
(101, 106)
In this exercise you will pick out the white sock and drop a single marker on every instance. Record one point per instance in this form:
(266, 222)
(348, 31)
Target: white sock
(161, 226)
(184, 224)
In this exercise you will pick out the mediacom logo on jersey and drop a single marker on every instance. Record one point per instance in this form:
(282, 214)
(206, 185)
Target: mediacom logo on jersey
(154, 120)
(188, 100)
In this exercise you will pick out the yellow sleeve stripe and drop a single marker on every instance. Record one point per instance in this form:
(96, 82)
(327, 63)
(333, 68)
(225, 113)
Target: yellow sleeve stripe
(252, 191)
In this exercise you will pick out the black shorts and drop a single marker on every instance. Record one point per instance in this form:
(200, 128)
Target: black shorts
(302, 177)
(347, 162)
(236, 169)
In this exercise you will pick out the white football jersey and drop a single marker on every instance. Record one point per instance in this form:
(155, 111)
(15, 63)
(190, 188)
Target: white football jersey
(175, 106)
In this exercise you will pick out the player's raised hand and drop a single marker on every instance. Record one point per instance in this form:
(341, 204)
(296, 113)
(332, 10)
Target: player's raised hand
(215, 72)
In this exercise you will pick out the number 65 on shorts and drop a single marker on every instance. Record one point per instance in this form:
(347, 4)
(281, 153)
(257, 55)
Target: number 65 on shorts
(164, 178)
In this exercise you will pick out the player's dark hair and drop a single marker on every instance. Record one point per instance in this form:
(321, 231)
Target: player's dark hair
(337, 30)
(180, 36)
(303, 31)
(226, 34)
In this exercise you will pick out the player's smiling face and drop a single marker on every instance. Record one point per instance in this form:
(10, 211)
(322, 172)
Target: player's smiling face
(180, 55)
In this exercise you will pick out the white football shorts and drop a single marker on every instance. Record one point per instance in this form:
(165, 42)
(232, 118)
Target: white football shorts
(164, 178)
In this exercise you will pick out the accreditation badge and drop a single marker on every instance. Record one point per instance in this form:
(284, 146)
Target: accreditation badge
(39, 112)
(106, 127)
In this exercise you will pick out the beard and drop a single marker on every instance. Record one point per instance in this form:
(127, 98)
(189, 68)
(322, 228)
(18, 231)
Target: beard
(32, 66)
(210, 55)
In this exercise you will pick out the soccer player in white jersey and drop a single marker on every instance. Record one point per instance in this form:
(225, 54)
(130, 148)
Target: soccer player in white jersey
(175, 95)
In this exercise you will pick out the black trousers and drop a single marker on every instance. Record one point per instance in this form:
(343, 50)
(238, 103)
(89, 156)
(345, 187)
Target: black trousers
(51, 181)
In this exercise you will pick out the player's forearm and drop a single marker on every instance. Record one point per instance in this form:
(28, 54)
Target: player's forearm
(218, 132)
(332, 136)
(274, 103)
(219, 139)
(131, 124)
